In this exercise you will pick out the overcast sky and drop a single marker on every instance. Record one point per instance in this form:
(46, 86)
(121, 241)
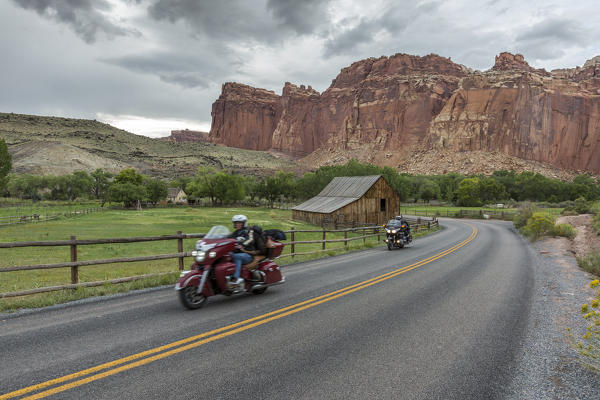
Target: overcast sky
(150, 66)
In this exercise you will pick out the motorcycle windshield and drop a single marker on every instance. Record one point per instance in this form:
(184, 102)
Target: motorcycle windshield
(217, 232)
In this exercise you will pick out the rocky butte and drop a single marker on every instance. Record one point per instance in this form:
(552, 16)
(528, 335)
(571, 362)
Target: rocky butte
(387, 110)
(186, 135)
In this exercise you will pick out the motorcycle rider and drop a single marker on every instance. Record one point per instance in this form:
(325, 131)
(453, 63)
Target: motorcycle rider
(241, 255)
(406, 230)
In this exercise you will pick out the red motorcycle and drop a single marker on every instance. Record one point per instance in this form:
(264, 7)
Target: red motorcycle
(210, 273)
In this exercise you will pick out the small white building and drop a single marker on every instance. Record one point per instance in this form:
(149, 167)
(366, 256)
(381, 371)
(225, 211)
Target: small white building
(177, 196)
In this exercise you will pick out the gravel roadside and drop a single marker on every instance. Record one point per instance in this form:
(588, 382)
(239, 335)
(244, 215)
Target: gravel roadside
(547, 366)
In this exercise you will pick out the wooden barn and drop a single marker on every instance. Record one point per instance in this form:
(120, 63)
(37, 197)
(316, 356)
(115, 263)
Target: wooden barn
(351, 200)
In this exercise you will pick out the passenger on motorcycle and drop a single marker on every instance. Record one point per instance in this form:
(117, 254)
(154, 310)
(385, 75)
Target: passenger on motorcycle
(244, 248)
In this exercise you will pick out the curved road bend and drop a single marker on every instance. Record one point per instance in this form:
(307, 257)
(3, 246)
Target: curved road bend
(443, 321)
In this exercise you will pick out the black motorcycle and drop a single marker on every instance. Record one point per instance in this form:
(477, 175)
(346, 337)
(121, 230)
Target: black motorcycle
(397, 234)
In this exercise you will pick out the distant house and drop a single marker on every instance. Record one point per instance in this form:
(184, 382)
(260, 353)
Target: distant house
(177, 196)
(351, 200)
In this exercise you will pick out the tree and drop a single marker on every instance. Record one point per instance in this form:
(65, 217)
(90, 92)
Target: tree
(429, 190)
(220, 186)
(467, 193)
(5, 164)
(79, 185)
(490, 190)
(181, 182)
(129, 175)
(101, 184)
(127, 192)
(251, 187)
(27, 186)
(275, 187)
(127, 187)
(156, 190)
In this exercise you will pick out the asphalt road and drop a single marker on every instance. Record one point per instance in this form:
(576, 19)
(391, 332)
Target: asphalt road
(445, 323)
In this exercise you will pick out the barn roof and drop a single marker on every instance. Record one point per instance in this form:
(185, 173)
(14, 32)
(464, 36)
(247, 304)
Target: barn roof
(341, 191)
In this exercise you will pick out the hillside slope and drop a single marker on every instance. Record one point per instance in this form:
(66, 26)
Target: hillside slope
(54, 145)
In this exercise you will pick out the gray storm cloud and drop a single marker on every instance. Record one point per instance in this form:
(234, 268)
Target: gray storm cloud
(168, 58)
(85, 17)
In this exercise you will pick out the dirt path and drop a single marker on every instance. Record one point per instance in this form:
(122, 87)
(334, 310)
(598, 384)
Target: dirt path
(586, 240)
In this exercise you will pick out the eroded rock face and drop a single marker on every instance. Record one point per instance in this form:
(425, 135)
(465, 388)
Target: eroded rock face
(384, 103)
(244, 117)
(527, 115)
(391, 105)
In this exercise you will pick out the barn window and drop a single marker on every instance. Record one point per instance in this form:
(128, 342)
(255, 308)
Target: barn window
(382, 205)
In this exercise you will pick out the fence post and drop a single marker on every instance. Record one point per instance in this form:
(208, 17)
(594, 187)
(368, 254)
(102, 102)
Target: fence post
(324, 238)
(75, 269)
(364, 232)
(293, 244)
(180, 249)
(346, 238)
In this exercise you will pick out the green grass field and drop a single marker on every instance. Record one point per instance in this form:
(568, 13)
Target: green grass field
(446, 211)
(129, 223)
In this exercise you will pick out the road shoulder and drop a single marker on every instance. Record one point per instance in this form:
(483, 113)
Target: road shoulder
(547, 367)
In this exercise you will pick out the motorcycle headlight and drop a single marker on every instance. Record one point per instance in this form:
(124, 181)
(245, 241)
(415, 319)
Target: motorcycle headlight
(394, 231)
(212, 254)
(388, 231)
(200, 255)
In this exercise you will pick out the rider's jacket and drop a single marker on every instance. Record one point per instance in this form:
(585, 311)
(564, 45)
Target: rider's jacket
(248, 243)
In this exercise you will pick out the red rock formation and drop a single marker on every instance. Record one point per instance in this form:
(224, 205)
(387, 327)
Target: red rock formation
(392, 104)
(527, 115)
(514, 62)
(296, 131)
(186, 135)
(244, 117)
(386, 103)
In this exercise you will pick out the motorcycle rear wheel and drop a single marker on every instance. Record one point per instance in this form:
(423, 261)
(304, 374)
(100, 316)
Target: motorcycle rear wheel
(259, 291)
(190, 299)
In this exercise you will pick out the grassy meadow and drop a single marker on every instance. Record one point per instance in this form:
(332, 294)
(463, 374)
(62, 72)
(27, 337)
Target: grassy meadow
(131, 223)
(449, 211)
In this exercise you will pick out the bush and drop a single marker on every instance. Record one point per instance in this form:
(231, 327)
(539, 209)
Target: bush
(594, 208)
(565, 204)
(570, 210)
(590, 263)
(582, 206)
(589, 348)
(537, 226)
(564, 230)
(524, 212)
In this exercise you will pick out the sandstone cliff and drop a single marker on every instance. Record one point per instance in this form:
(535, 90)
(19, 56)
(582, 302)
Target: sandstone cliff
(245, 117)
(387, 109)
(524, 113)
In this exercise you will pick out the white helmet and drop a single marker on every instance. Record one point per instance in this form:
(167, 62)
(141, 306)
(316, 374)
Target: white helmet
(240, 218)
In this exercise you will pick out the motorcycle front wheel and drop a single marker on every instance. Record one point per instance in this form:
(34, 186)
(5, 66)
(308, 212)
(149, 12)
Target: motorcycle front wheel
(191, 299)
(389, 246)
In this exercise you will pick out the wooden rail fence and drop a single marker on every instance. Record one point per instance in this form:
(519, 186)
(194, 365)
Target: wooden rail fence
(24, 219)
(73, 243)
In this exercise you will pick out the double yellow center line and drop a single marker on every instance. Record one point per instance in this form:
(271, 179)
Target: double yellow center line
(124, 364)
